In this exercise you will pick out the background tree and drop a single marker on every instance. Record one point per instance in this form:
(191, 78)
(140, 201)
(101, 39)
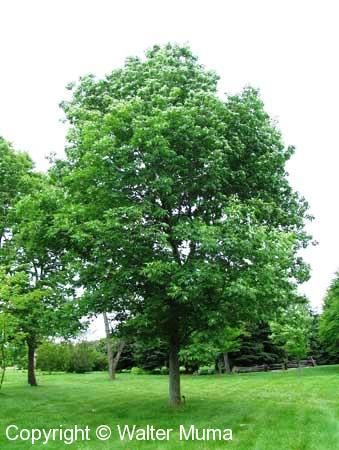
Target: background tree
(179, 203)
(149, 354)
(229, 341)
(205, 348)
(34, 289)
(292, 331)
(256, 347)
(329, 320)
(317, 350)
(25, 306)
(16, 177)
(198, 352)
(114, 345)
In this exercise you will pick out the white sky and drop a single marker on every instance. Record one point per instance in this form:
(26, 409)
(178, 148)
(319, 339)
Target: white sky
(288, 49)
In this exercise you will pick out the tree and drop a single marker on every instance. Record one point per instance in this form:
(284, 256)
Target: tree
(206, 347)
(329, 320)
(25, 306)
(16, 175)
(256, 346)
(198, 352)
(178, 202)
(149, 354)
(113, 360)
(292, 331)
(33, 289)
(229, 341)
(317, 350)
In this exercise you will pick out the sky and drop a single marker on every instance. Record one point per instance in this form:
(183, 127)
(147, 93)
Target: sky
(287, 49)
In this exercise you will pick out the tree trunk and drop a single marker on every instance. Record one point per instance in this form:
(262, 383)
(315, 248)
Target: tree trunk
(31, 364)
(174, 373)
(110, 356)
(121, 346)
(227, 363)
(3, 337)
(3, 365)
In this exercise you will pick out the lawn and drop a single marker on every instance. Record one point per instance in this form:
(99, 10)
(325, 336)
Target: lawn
(266, 411)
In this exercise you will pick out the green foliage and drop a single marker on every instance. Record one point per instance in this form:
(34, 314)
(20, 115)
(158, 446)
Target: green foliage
(33, 289)
(40, 253)
(205, 348)
(16, 178)
(206, 370)
(292, 331)
(53, 357)
(137, 371)
(82, 358)
(24, 305)
(329, 320)
(66, 357)
(177, 203)
(149, 354)
(164, 370)
(198, 353)
(256, 347)
(100, 361)
(318, 350)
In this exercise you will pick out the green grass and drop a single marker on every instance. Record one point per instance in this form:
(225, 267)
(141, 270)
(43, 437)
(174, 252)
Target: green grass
(266, 411)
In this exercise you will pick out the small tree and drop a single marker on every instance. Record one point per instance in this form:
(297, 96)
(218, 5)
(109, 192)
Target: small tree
(34, 288)
(205, 348)
(32, 317)
(292, 331)
(329, 320)
(229, 341)
(16, 178)
(198, 353)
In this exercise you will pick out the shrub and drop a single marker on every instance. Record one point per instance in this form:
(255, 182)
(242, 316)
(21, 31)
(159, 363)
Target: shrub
(164, 370)
(100, 361)
(82, 358)
(53, 357)
(206, 370)
(182, 369)
(137, 371)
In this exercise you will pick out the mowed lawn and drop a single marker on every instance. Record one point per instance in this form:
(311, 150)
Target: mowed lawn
(266, 411)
